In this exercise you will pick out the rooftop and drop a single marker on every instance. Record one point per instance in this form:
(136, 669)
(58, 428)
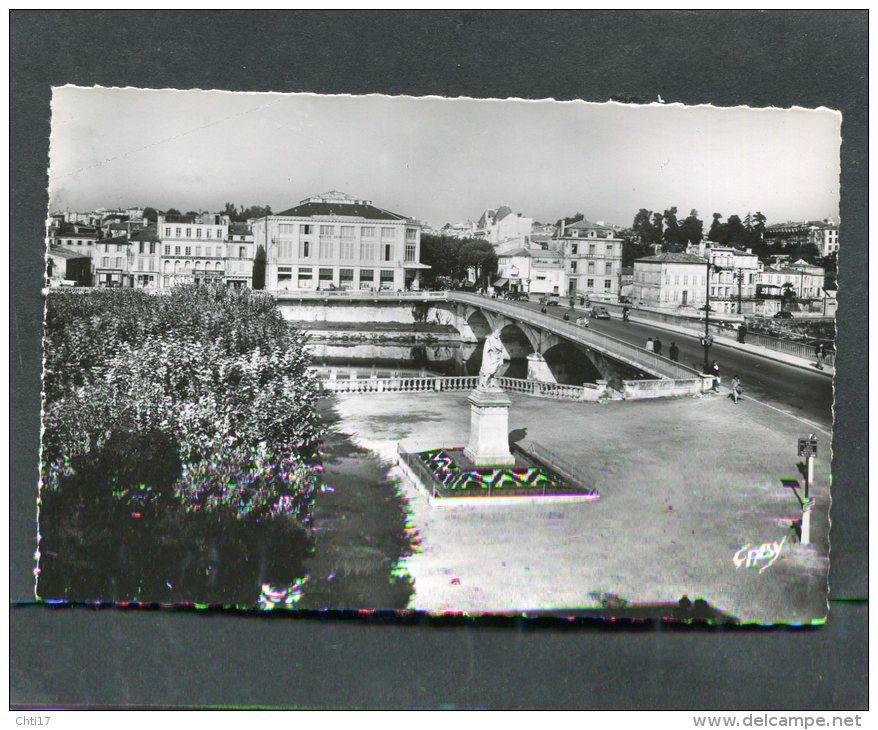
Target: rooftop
(673, 258)
(335, 203)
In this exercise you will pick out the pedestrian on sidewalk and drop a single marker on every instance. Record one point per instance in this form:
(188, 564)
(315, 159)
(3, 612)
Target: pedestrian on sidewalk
(742, 333)
(657, 346)
(674, 352)
(820, 352)
(650, 346)
(737, 389)
(714, 370)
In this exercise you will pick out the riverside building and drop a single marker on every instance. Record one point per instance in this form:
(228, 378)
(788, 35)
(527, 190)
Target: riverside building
(192, 248)
(335, 241)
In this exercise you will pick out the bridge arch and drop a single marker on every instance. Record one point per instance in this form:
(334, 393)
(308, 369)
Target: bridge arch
(569, 364)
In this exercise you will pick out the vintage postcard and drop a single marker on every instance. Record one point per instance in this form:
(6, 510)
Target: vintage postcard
(457, 356)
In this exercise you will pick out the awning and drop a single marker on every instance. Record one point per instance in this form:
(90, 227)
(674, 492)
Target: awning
(415, 265)
(501, 282)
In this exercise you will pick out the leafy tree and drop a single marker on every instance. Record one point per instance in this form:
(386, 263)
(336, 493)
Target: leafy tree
(633, 247)
(568, 221)
(211, 378)
(259, 262)
(716, 232)
(480, 256)
(151, 215)
(692, 229)
(671, 234)
(442, 254)
(172, 211)
(734, 234)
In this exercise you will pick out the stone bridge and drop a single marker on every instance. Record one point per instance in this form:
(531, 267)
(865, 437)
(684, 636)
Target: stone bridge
(556, 351)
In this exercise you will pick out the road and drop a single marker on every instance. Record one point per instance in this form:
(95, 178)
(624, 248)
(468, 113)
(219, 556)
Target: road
(796, 392)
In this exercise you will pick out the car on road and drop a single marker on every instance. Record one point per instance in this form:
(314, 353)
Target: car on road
(550, 301)
(518, 296)
(783, 315)
(599, 313)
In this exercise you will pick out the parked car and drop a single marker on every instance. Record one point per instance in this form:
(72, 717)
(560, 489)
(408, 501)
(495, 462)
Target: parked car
(551, 301)
(518, 296)
(599, 313)
(783, 315)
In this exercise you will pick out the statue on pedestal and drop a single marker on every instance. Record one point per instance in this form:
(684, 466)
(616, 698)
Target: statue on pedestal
(492, 359)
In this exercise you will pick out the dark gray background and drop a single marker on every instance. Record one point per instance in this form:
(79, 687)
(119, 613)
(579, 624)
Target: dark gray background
(84, 656)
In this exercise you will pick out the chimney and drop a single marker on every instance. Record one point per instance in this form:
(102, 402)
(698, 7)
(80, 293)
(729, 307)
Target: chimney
(563, 226)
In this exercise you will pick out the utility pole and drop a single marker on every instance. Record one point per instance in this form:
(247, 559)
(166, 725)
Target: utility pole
(740, 278)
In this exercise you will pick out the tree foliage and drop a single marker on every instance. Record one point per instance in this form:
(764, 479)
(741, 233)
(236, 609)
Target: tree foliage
(211, 378)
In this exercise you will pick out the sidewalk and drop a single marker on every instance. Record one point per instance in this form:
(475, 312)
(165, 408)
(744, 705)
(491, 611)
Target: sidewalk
(795, 361)
(686, 485)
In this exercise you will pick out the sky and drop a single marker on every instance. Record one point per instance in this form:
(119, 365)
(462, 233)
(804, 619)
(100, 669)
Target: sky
(439, 160)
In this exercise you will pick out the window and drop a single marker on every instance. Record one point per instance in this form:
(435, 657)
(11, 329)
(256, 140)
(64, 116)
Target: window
(367, 278)
(304, 249)
(188, 250)
(676, 279)
(573, 266)
(387, 233)
(411, 250)
(346, 278)
(176, 250)
(591, 249)
(284, 273)
(306, 277)
(589, 283)
(326, 242)
(197, 233)
(188, 233)
(574, 248)
(305, 229)
(347, 243)
(118, 262)
(167, 250)
(386, 278)
(198, 250)
(368, 232)
(106, 261)
(179, 231)
(591, 267)
(610, 249)
(219, 233)
(388, 251)
(285, 249)
(286, 229)
(208, 251)
(608, 284)
(608, 267)
(411, 234)
(168, 231)
(325, 277)
(208, 233)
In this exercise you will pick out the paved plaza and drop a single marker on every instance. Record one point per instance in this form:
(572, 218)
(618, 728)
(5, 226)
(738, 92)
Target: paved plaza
(690, 488)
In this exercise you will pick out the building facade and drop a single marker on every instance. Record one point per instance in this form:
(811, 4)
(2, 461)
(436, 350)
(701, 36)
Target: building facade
(336, 241)
(240, 256)
(670, 280)
(192, 248)
(534, 271)
(502, 225)
(592, 259)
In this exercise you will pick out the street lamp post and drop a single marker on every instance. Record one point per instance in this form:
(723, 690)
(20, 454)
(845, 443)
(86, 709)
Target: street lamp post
(706, 342)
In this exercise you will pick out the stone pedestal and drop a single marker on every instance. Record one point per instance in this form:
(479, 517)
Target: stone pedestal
(489, 427)
(538, 369)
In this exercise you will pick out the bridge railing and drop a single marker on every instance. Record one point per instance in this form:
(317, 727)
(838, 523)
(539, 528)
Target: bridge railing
(358, 295)
(434, 383)
(635, 356)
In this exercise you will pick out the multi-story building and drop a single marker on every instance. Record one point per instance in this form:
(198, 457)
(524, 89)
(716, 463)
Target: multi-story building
(240, 256)
(824, 235)
(791, 233)
(192, 248)
(112, 266)
(335, 241)
(670, 280)
(503, 226)
(805, 280)
(75, 236)
(592, 258)
(733, 276)
(65, 267)
(535, 271)
(144, 256)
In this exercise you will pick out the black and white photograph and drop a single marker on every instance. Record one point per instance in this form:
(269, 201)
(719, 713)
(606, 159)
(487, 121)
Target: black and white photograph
(456, 356)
